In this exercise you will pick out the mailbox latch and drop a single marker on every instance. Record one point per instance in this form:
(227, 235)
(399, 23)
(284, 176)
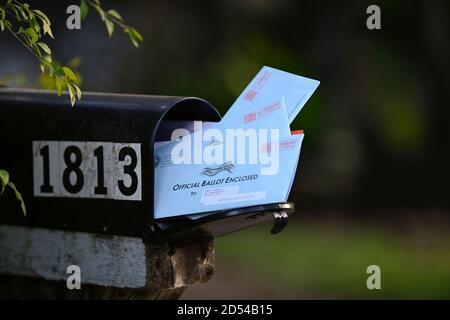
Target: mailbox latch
(281, 220)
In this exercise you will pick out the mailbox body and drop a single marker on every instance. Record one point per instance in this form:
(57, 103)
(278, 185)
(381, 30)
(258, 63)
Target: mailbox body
(32, 120)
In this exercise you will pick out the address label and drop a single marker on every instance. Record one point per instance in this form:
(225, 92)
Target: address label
(75, 169)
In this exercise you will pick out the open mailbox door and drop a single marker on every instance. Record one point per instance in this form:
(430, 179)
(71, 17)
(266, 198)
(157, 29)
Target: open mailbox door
(90, 168)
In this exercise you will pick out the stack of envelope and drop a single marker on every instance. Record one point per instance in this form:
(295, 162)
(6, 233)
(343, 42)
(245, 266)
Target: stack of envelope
(248, 158)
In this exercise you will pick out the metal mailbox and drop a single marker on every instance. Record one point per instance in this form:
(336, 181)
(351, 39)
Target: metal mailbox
(90, 168)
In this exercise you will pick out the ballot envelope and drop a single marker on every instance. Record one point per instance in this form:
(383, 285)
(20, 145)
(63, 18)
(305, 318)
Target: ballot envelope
(248, 158)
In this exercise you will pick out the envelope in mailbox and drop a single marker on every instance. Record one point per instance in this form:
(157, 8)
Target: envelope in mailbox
(270, 84)
(186, 189)
(270, 114)
(195, 174)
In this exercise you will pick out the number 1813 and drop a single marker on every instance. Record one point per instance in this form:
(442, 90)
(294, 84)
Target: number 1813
(87, 170)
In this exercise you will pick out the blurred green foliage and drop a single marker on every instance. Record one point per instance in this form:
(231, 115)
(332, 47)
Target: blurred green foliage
(326, 260)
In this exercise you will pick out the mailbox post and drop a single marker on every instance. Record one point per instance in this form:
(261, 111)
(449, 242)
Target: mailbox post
(87, 177)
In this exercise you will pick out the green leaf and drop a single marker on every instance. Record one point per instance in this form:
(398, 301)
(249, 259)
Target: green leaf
(51, 70)
(2, 25)
(42, 66)
(42, 15)
(134, 35)
(36, 49)
(78, 90)
(48, 58)
(71, 94)
(45, 48)
(47, 29)
(115, 14)
(31, 14)
(2, 14)
(35, 26)
(4, 179)
(32, 34)
(59, 86)
(58, 70)
(18, 197)
(84, 9)
(69, 74)
(22, 11)
(7, 24)
(109, 26)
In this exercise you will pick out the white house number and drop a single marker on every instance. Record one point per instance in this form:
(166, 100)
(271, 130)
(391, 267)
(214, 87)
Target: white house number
(87, 170)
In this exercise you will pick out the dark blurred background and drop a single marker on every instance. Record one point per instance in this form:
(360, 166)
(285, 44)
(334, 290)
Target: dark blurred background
(373, 180)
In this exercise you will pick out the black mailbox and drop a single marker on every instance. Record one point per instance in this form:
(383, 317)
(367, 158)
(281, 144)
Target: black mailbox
(73, 164)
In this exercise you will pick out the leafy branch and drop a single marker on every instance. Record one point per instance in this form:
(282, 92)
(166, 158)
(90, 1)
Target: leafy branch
(5, 182)
(33, 26)
(110, 18)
